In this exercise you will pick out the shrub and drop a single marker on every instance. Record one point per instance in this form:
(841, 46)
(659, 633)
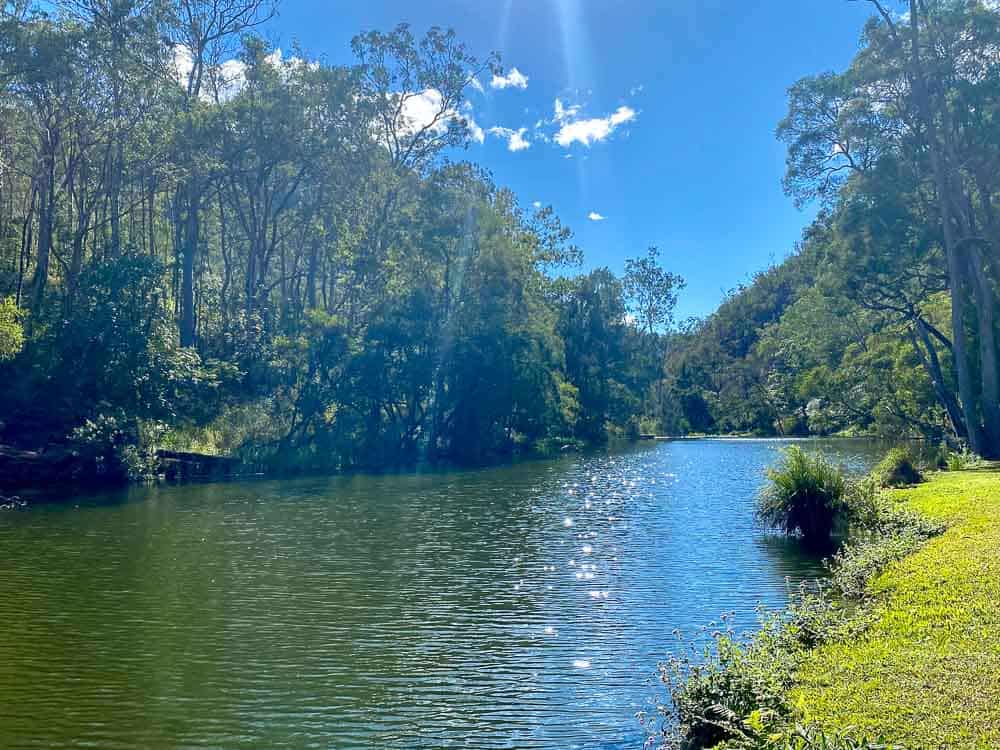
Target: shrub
(897, 469)
(804, 495)
(714, 692)
(11, 329)
(966, 459)
(109, 448)
(733, 693)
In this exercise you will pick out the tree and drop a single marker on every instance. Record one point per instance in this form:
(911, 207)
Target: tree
(922, 90)
(651, 291)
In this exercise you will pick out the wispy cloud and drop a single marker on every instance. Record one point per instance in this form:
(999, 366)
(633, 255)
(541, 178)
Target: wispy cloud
(514, 79)
(564, 113)
(594, 216)
(515, 138)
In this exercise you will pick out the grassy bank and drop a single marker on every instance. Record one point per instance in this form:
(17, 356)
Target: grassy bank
(924, 673)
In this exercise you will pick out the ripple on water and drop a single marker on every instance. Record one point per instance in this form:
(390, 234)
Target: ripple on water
(487, 609)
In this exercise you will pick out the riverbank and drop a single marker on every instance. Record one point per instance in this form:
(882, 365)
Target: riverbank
(923, 674)
(74, 465)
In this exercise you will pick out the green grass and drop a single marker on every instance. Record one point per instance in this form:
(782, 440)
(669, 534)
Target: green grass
(926, 673)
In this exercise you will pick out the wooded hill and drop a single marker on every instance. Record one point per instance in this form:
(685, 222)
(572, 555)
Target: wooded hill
(885, 317)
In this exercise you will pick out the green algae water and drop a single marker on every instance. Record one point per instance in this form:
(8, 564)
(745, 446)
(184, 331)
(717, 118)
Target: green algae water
(524, 606)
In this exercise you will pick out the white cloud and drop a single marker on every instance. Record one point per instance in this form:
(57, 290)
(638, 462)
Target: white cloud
(591, 130)
(594, 216)
(514, 79)
(476, 84)
(515, 138)
(229, 77)
(423, 110)
(426, 111)
(183, 63)
(564, 113)
(518, 142)
(537, 204)
(475, 132)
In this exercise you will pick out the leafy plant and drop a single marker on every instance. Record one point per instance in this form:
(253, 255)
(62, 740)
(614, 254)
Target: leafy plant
(804, 495)
(713, 690)
(962, 460)
(11, 329)
(897, 469)
(816, 738)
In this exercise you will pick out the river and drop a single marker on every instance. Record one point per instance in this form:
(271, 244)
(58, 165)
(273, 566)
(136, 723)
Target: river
(523, 606)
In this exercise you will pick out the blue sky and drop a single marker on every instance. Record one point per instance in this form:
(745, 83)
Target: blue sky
(677, 101)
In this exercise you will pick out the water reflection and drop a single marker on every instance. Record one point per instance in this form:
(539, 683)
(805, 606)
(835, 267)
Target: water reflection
(523, 607)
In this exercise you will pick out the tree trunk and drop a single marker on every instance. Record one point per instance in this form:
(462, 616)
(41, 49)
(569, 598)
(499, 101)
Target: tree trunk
(956, 269)
(188, 250)
(990, 378)
(46, 216)
(932, 365)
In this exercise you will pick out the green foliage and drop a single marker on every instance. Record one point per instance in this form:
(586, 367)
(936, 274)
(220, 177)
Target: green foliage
(897, 469)
(811, 737)
(11, 329)
(961, 460)
(716, 689)
(737, 692)
(110, 449)
(287, 266)
(923, 672)
(881, 532)
(733, 692)
(804, 495)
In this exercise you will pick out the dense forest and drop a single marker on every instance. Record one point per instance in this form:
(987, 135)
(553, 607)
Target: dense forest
(884, 319)
(206, 245)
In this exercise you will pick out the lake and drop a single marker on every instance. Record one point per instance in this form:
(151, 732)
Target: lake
(524, 606)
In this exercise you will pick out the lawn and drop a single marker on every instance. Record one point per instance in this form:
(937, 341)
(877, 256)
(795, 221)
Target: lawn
(926, 674)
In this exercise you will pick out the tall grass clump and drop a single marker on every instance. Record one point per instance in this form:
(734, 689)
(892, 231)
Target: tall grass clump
(804, 495)
(897, 469)
(956, 461)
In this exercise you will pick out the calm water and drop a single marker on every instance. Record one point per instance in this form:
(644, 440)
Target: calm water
(518, 607)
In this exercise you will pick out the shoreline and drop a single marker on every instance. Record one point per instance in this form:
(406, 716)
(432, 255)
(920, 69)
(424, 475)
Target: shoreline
(896, 649)
(922, 673)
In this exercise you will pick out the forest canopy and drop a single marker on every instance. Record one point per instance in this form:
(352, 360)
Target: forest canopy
(208, 245)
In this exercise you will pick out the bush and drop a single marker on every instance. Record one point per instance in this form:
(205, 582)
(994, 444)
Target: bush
(897, 469)
(714, 692)
(956, 461)
(733, 693)
(804, 496)
(11, 329)
(110, 448)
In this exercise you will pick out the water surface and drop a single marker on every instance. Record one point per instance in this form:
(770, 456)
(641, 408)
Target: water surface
(517, 607)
